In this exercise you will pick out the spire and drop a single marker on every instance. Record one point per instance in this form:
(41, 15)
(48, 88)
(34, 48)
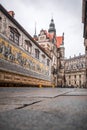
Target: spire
(35, 28)
(35, 35)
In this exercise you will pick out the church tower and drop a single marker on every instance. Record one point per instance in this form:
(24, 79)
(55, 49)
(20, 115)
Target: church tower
(52, 29)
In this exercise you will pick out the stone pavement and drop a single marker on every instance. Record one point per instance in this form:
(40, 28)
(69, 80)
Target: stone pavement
(43, 109)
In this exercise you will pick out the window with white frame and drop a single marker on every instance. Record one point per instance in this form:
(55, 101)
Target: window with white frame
(28, 46)
(43, 58)
(14, 35)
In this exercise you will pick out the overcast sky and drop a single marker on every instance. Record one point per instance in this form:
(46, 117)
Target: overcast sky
(67, 15)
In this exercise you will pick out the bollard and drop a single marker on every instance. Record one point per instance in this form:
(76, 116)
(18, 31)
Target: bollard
(53, 86)
(40, 86)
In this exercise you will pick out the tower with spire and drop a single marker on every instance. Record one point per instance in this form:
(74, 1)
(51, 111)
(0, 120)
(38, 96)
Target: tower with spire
(52, 29)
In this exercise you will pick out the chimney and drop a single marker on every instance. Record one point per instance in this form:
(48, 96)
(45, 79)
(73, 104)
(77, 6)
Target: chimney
(11, 13)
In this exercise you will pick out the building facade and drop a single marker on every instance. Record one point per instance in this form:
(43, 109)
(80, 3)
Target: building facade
(84, 20)
(21, 57)
(75, 71)
(54, 47)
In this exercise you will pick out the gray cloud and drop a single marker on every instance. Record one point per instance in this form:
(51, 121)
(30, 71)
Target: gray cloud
(71, 6)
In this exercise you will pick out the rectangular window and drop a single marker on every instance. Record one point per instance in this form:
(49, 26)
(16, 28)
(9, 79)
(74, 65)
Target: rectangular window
(37, 53)
(12, 35)
(16, 38)
(28, 46)
(48, 62)
(69, 82)
(79, 76)
(69, 76)
(43, 58)
(29, 49)
(75, 76)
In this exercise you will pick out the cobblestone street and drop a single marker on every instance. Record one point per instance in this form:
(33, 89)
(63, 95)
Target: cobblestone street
(43, 109)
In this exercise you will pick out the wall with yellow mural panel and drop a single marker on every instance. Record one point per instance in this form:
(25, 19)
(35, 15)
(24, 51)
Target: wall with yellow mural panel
(19, 57)
(14, 58)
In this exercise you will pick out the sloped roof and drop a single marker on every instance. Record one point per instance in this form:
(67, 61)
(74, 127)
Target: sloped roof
(50, 36)
(59, 40)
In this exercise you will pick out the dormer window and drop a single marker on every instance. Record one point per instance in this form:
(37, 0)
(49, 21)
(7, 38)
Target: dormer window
(14, 35)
